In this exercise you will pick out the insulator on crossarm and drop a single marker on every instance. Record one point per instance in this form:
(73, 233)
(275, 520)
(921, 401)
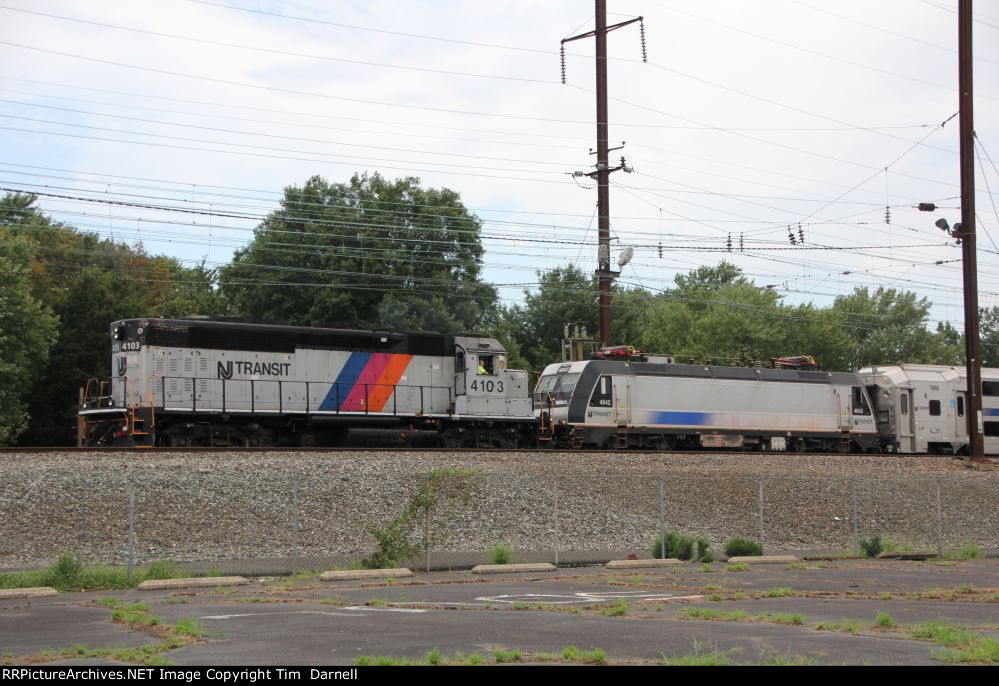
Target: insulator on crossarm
(790, 236)
(741, 245)
(801, 234)
(562, 51)
(641, 31)
(728, 243)
(887, 215)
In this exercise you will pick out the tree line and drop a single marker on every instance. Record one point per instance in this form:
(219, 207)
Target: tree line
(390, 254)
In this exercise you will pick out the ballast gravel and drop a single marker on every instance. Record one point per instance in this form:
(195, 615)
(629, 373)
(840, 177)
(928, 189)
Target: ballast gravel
(316, 509)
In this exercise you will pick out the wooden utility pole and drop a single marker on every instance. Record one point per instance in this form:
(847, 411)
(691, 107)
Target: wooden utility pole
(603, 169)
(972, 342)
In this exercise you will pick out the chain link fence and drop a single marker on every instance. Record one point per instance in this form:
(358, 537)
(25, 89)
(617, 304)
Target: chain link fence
(256, 523)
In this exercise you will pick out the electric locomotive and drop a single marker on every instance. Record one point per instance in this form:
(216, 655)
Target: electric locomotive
(637, 403)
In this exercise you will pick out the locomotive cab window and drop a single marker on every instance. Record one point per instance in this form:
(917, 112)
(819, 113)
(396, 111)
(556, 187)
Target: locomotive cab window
(960, 406)
(935, 408)
(904, 403)
(860, 405)
(564, 385)
(602, 393)
(487, 365)
(544, 387)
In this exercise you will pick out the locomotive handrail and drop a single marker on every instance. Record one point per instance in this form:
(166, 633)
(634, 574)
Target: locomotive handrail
(333, 393)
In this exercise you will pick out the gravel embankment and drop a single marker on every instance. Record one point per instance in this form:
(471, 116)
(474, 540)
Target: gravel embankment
(242, 506)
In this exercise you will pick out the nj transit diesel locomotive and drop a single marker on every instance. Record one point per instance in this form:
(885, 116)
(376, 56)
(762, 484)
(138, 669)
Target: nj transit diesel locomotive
(181, 382)
(635, 404)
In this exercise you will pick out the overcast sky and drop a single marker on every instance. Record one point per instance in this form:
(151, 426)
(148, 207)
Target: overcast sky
(749, 117)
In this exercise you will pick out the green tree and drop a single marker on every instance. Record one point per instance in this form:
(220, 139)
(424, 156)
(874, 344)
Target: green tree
(369, 253)
(888, 326)
(988, 325)
(27, 329)
(88, 282)
(565, 294)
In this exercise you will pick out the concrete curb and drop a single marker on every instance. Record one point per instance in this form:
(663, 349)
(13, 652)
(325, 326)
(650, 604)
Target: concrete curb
(33, 592)
(923, 555)
(353, 574)
(764, 559)
(638, 564)
(511, 569)
(195, 582)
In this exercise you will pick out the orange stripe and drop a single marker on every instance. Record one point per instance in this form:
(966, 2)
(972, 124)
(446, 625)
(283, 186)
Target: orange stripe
(380, 394)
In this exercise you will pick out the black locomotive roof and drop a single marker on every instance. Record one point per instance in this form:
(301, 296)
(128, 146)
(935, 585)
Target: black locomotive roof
(721, 372)
(231, 335)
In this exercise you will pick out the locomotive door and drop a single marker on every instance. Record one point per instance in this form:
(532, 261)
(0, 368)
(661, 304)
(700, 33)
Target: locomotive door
(459, 371)
(622, 403)
(906, 418)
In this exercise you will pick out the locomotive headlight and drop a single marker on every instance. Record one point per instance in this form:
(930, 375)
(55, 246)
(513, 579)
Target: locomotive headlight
(119, 333)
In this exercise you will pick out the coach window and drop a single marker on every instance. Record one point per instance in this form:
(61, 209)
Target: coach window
(904, 402)
(990, 388)
(601, 393)
(992, 428)
(860, 405)
(960, 406)
(934, 408)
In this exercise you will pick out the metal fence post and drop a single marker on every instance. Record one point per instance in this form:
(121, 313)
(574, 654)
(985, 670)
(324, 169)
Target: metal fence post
(131, 530)
(760, 481)
(856, 518)
(426, 541)
(555, 514)
(294, 525)
(940, 549)
(662, 520)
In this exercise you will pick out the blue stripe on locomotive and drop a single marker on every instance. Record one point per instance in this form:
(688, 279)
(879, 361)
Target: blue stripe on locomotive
(345, 381)
(682, 418)
(990, 412)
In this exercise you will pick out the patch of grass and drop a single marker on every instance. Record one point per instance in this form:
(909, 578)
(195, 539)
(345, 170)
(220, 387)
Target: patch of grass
(778, 592)
(382, 661)
(501, 554)
(885, 596)
(967, 551)
(784, 661)
(471, 660)
(706, 567)
(545, 657)
(737, 567)
(872, 546)
(108, 602)
(377, 602)
(434, 658)
(188, 626)
(618, 609)
(785, 618)
(137, 607)
(593, 657)
(520, 606)
(715, 615)
(961, 646)
(713, 658)
(682, 547)
(739, 595)
(712, 587)
(884, 621)
(69, 574)
(850, 626)
(504, 656)
(715, 597)
(740, 547)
